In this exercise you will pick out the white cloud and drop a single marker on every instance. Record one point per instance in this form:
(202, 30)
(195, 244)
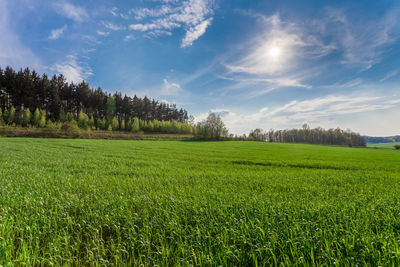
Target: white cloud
(73, 70)
(293, 54)
(280, 57)
(112, 26)
(13, 52)
(170, 88)
(113, 11)
(129, 37)
(71, 11)
(142, 13)
(194, 16)
(281, 48)
(328, 111)
(101, 33)
(56, 33)
(195, 32)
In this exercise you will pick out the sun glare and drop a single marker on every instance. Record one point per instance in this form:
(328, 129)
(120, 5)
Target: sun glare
(274, 52)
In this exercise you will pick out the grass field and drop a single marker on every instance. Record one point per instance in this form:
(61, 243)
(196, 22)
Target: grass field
(119, 202)
(384, 145)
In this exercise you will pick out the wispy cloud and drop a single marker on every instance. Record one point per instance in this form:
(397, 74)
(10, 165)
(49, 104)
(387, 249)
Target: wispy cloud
(389, 75)
(73, 70)
(112, 26)
(56, 33)
(277, 58)
(194, 16)
(195, 32)
(76, 13)
(362, 42)
(129, 37)
(101, 33)
(293, 114)
(342, 85)
(170, 88)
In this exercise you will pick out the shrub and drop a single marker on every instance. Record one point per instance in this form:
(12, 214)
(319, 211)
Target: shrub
(397, 146)
(70, 127)
(53, 125)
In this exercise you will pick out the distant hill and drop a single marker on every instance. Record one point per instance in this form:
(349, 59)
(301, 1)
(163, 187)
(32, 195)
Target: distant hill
(376, 140)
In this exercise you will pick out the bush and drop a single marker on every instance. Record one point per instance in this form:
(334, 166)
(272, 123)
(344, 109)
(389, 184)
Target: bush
(53, 125)
(397, 146)
(70, 127)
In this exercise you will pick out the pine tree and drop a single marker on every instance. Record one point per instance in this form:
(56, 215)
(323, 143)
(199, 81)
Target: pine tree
(1, 118)
(70, 117)
(42, 121)
(111, 107)
(26, 119)
(150, 126)
(63, 116)
(83, 120)
(122, 125)
(101, 124)
(115, 124)
(136, 126)
(129, 126)
(91, 123)
(36, 117)
(11, 115)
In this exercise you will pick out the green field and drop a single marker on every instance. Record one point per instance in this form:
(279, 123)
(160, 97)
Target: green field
(115, 202)
(384, 145)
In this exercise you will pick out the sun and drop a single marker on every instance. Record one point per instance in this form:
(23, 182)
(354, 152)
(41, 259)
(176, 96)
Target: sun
(274, 52)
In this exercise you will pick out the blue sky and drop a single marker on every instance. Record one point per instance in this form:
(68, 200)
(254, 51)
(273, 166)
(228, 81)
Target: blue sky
(267, 64)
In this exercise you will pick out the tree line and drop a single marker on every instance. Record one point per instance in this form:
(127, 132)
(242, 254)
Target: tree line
(310, 136)
(25, 93)
(376, 140)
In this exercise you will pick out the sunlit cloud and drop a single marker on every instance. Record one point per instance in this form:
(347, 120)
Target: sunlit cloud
(73, 70)
(194, 16)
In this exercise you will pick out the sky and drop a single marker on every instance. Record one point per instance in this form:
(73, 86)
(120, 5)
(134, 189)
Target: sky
(258, 64)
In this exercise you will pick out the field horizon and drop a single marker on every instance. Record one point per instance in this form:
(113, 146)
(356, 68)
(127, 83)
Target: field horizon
(139, 202)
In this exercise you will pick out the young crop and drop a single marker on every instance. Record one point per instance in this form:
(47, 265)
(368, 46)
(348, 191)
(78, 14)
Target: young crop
(114, 202)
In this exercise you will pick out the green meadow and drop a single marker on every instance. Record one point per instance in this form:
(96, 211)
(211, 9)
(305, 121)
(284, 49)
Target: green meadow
(118, 202)
(384, 145)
